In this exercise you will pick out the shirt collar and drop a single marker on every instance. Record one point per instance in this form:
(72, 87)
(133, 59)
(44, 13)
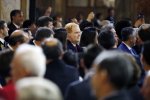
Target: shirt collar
(16, 25)
(2, 40)
(127, 46)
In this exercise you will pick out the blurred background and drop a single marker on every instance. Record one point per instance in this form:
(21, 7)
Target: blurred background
(74, 8)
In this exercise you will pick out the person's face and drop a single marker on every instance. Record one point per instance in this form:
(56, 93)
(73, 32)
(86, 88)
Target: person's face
(146, 88)
(18, 19)
(98, 81)
(139, 41)
(5, 30)
(132, 40)
(17, 70)
(50, 25)
(115, 35)
(75, 35)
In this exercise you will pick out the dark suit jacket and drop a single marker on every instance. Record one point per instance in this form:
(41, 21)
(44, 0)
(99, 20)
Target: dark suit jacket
(135, 94)
(80, 91)
(74, 49)
(121, 95)
(61, 74)
(124, 48)
(11, 27)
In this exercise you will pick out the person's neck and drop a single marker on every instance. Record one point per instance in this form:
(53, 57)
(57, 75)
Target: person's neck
(37, 43)
(106, 91)
(89, 20)
(127, 43)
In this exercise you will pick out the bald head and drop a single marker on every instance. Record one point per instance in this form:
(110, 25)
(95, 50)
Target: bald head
(52, 48)
(18, 37)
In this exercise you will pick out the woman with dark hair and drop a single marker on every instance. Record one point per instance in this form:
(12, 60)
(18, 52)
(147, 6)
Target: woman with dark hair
(89, 36)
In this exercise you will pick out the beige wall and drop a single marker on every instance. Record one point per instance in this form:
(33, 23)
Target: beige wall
(6, 6)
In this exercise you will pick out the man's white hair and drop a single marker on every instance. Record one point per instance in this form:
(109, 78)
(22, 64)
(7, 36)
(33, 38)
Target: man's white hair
(32, 59)
(35, 88)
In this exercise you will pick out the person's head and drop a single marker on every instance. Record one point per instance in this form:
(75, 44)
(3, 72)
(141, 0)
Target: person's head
(89, 36)
(52, 49)
(5, 60)
(70, 58)
(35, 88)
(113, 73)
(143, 33)
(145, 58)
(16, 17)
(43, 33)
(91, 16)
(112, 29)
(128, 36)
(73, 32)
(17, 38)
(45, 21)
(61, 35)
(90, 54)
(111, 11)
(122, 24)
(106, 39)
(30, 24)
(3, 29)
(48, 11)
(146, 87)
(28, 61)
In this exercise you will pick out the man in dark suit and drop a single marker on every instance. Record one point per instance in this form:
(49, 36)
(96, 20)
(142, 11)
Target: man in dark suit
(16, 17)
(82, 90)
(113, 73)
(57, 71)
(128, 41)
(3, 33)
(73, 37)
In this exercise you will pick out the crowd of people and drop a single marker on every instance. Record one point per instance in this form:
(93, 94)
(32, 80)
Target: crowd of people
(81, 59)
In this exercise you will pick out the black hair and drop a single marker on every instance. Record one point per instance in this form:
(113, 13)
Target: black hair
(88, 36)
(146, 52)
(126, 33)
(2, 24)
(52, 52)
(43, 21)
(144, 33)
(27, 23)
(61, 35)
(14, 13)
(42, 33)
(106, 39)
(91, 53)
(119, 70)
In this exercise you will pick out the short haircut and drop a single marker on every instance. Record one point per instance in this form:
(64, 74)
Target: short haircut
(27, 23)
(69, 27)
(61, 35)
(90, 54)
(43, 21)
(14, 13)
(144, 32)
(122, 24)
(52, 51)
(106, 39)
(146, 52)
(14, 39)
(2, 24)
(126, 33)
(42, 33)
(88, 36)
(35, 88)
(119, 69)
(32, 59)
